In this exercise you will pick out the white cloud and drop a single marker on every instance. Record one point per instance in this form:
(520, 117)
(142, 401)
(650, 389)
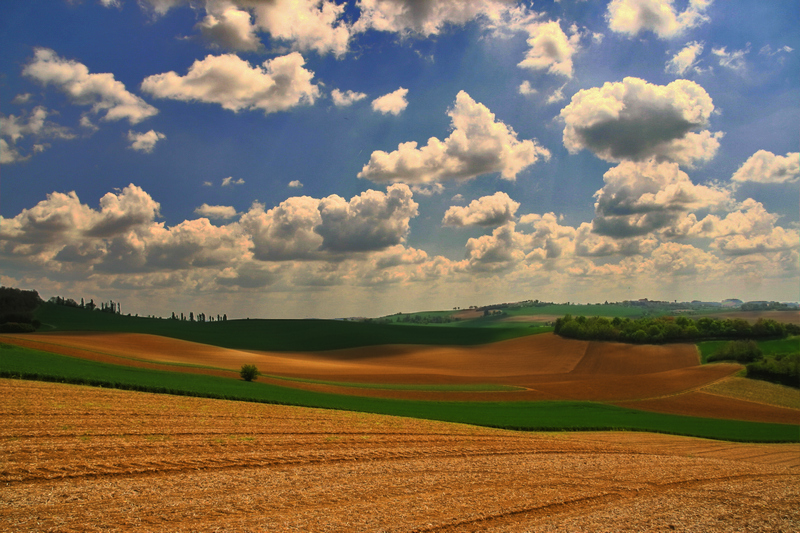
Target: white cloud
(429, 189)
(639, 198)
(550, 48)
(305, 228)
(425, 17)
(307, 24)
(391, 104)
(526, 89)
(10, 154)
(658, 16)
(216, 212)
(14, 129)
(635, 120)
(343, 99)
(371, 221)
(295, 184)
(230, 28)
(766, 167)
(556, 96)
(493, 210)
(145, 142)
(478, 145)
(107, 96)
(227, 182)
(733, 60)
(22, 98)
(278, 85)
(685, 60)
(500, 251)
(285, 232)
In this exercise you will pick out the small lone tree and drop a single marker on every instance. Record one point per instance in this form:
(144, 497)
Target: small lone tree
(249, 372)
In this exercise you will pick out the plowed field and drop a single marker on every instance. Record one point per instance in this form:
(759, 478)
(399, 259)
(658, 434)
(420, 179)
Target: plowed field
(542, 367)
(86, 459)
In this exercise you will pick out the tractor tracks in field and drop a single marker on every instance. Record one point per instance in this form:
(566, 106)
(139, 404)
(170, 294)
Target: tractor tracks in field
(585, 504)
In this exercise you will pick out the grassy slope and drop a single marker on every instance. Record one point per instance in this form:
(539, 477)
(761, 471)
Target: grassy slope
(32, 364)
(277, 335)
(769, 347)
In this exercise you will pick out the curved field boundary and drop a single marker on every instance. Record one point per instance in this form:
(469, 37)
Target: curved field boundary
(527, 416)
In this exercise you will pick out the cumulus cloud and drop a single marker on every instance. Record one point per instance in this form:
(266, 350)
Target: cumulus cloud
(230, 28)
(346, 98)
(493, 210)
(227, 182)
(278, 85)
(295, 184)
(145, 142)
(685, 60)
(305, 228)
(479, 144)
(371, 221)
(34, 124)
(285, 231)
(550, 48)
(425, 17)
(499, 251)
(107, 97)
(216, 212)
(305, 25)
(393, 103)
(632, 17)
(635, 120)
(766, 167)
(639, 198)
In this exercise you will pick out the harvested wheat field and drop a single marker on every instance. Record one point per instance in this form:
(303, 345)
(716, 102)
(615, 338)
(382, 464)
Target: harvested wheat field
(85, 459)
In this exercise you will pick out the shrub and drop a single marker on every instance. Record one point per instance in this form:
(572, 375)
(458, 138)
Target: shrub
(249, 372)
(16, 327)
(783, 369)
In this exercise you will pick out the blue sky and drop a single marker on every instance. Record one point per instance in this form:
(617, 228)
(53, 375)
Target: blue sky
(298, 158)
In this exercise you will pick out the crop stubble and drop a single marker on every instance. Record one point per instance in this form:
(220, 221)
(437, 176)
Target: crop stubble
(83, 459)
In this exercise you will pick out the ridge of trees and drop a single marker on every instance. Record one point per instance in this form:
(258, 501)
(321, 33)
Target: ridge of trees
(16, 310)
(669, 329)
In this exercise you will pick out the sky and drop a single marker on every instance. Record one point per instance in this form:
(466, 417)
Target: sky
(319, 158)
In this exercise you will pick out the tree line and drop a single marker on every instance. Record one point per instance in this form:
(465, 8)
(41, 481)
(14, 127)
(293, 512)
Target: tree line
(669, 329)
(16, 310)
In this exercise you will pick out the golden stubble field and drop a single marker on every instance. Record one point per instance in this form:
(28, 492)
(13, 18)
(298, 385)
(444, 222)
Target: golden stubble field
(84, 459)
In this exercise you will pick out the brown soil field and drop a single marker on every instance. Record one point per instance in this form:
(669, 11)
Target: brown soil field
(86, 459)
(543, 367)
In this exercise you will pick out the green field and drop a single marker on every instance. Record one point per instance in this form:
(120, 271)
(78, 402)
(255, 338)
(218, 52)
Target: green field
(274, 335)
(528, 416)
(768, 347)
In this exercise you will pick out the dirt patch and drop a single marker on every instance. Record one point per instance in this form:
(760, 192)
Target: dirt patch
(708, 405)
(613, 358)
(85, 459)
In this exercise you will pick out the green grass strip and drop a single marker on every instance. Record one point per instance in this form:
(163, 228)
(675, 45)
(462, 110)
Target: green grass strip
(452, 387)
(527, 416)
